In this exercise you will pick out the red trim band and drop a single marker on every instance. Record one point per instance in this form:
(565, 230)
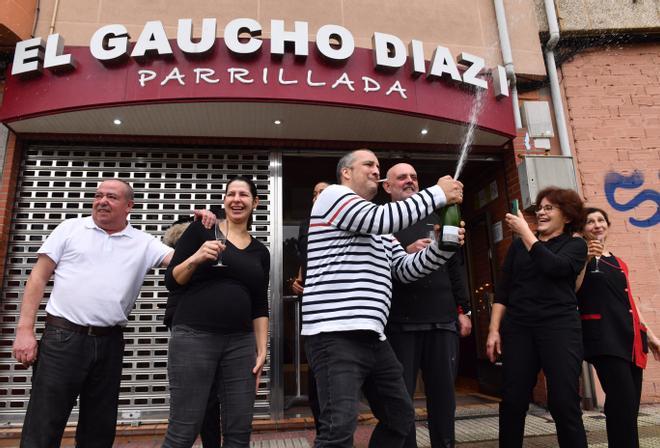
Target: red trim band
(591, 317)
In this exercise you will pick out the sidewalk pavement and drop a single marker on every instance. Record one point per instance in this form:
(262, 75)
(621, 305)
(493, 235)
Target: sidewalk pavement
(476, 427)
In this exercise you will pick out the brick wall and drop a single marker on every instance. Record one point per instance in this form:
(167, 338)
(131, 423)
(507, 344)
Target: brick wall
(613, 101)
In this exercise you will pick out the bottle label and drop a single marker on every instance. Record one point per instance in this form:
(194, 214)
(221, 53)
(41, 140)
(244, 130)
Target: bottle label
(450, 234)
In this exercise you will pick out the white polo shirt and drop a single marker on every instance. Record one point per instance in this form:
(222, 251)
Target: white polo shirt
(98, 276)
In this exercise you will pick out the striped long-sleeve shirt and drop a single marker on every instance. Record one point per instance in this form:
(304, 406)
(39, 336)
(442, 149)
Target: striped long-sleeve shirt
(352, 256)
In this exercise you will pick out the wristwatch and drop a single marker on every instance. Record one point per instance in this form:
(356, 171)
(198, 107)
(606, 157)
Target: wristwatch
(468, 314)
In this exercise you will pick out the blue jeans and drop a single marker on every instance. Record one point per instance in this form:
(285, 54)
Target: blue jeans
(343, 364)
(69, 365)
(196, 359)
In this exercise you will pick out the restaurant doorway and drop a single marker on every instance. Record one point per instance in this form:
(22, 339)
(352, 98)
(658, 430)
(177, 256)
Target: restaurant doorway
(299, 175)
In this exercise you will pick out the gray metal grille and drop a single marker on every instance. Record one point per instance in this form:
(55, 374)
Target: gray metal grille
(57, 183)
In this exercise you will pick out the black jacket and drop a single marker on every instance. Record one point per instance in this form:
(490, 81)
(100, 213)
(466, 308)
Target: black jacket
(607, 319)
(538, 286)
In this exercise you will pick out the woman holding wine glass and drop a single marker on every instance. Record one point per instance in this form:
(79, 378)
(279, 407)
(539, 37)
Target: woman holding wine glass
(615, 338)
(535, 311)
(219, 330)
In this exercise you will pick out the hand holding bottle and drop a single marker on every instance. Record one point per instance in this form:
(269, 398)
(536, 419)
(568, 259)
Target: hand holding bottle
(453, 189)
(517, 223)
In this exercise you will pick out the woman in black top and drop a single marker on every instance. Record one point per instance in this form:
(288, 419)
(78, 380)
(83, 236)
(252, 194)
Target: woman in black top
(535, 304)
(615, 338)
(219, 330)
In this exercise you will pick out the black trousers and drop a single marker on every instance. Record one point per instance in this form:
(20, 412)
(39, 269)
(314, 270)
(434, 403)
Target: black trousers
(557, 349)
(71, 365)
(344, 363)
(622, 383)
(435, 352)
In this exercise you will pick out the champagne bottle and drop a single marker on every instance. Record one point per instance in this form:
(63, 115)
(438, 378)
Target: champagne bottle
(450, 221)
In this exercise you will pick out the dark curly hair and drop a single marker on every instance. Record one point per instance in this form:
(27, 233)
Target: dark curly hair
(570, 204)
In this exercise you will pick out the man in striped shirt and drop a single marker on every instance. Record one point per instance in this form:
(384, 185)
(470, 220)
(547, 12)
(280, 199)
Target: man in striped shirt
(352, 258)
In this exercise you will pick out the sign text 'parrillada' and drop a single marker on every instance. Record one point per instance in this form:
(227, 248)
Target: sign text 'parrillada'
(242, 37)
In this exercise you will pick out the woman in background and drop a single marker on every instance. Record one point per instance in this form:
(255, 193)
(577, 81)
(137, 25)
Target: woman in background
(535, 311)
(219, 330)
(616, 340)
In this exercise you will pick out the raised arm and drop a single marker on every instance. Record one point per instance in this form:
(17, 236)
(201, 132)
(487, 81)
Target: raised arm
(569, 260)
(340, 207)
(191, 251)
(25, 345)
(407, 268)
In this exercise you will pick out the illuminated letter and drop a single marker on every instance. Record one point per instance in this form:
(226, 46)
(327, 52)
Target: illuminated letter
(174, 74)
(234, 29)
(475, 64)
(238, 74)
(343, 36)
(389, 51)
(344, 79)
(370, 85)
(313, 83)
(54, 59)
(184, 36)
(109, 43)
(145, 75)
(396, 87)
(28, 55)
(417, 51)
(153, 38)
(203, 74)
(500, 82)
(442, 63)
(283, 81)
(278, 37)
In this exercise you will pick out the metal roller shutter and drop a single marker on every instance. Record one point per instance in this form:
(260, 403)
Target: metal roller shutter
(59, 182)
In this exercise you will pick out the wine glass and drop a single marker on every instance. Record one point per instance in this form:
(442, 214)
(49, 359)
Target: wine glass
(596, 270)
(432, 235)
(221, 237)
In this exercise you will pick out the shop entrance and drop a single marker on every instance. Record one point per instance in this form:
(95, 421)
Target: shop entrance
(299, 175)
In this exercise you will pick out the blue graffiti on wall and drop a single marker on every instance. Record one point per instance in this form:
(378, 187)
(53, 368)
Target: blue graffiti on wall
(635, 180)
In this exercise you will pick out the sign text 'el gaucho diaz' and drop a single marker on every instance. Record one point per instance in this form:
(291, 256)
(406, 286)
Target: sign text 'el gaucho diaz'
(242, 37)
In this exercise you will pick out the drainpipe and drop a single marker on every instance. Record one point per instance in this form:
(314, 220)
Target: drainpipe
(589, 388)
(52, 21)
(507, 58)
(558, 105)
(37, 10)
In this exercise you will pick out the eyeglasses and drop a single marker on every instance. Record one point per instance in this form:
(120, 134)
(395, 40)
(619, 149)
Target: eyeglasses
(545, 208)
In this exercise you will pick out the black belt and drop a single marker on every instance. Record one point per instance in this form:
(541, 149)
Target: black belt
(64, 324)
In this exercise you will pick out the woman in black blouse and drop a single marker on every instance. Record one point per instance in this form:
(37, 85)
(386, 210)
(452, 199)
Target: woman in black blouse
(536, 309)
(615, 338)
(219, 330)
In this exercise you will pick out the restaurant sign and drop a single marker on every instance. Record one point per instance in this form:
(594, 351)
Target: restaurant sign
(242, 38)
(292, 66)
